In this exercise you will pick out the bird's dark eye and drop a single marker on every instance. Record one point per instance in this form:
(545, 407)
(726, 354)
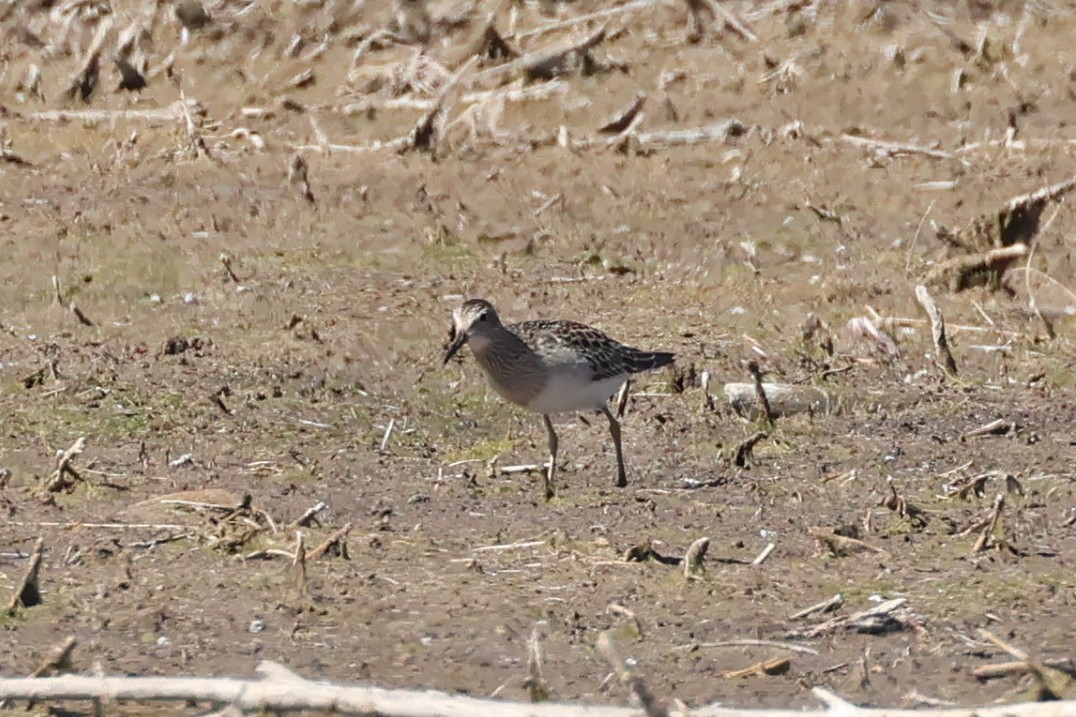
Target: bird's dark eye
(483, 317)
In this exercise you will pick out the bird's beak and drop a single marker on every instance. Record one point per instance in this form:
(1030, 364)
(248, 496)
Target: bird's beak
(455, 342)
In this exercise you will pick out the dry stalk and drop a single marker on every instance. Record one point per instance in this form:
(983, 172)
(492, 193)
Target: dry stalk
(28, 592)
(59, 661)
(633, 619)
(1020, 667)
(774, 666)
(536, 684)
(337, 538)
(996, 239)
(760, 392)
(628, 677)
(308, 517)
(862, 327)
(297, 178)
(990, 526)
(842, 544)
(430, 126)
(545, 63)
(937, 329)
(160, 115)
(897, 503)
(894, 149)
(298, 563)
(84, 81)
(885, 616)
(965, 272)
(694, 568)
(1032, 302)
(608, 13)
(59, 480)
(825, 606)
(279, 689)
(792, 647)
(1050, 682)
(624, 118)
(743, 451)
(766, 553)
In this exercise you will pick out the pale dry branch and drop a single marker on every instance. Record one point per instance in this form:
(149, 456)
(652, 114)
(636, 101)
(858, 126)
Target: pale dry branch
(766, 552)
(1020, 667)
(623, 119)
(59, 661)
(544, 91)
(627, 676)
(990, 525)
(965, 272)
(937, 329)
(536, 683)
(883, 617)
(837, 544)
(733, 23)
(430, 126)
(99, 526)
(665, 139)
(28, 591)
(65, 476)
(297, 178)
(861, 327)
(160, 115)
(791, 646)
(775, 666)
(304, 520)
(894, 149)
(84, 81)
(298, 563)
(608, 13)
(335, 539)
(694, 557)
(545, 63)
(761, 399)
(279, 689)
(825, 606)
(1031, 300)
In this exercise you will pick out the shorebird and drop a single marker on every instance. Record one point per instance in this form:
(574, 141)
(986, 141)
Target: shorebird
(550, 367)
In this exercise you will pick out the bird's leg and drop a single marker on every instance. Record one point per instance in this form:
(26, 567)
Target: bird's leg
(552, 457)
(614, 430)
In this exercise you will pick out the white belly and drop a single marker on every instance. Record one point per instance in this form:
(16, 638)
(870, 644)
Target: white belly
(572, 392)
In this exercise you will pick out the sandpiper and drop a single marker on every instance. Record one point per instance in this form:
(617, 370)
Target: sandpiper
(550, 367)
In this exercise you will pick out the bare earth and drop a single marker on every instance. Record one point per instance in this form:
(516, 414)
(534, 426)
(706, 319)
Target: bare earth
(247, 341)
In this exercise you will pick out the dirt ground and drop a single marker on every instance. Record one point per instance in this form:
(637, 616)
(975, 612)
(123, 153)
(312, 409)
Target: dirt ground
(241, 340)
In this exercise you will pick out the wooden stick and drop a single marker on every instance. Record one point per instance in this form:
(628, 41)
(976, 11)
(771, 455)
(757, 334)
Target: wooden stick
(964, 272)
(752, 643)
(59, 660)
(760, 392)
(823, 606)
(893, 149)
(28, 592)
(937, 329)
(296, 693)
(693, 559)
(336, 537)
(628, 677)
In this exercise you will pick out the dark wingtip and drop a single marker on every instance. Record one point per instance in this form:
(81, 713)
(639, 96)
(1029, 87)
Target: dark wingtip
(650, 360)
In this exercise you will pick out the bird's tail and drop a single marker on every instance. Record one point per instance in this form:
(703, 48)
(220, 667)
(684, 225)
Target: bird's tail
(640, 361)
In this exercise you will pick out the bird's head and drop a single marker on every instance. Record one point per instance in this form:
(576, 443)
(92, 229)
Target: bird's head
(473, 322)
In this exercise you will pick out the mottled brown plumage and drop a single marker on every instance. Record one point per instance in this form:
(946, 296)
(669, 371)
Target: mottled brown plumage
(550, 367)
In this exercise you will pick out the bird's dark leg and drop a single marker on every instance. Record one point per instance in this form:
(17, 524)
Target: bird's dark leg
(614, 430)
(552, 471)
